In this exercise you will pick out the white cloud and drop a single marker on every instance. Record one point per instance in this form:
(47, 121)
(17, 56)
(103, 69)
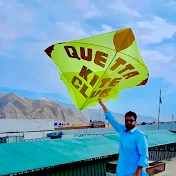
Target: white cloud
(104, 28)
(156, 56)
(153, 31)
(160, 65)
(28, 25)
(70, 31)
(129, 11)
(1, 3)
(86, 8)
(16, 21)
(43, 74)
(171, 3)
(121, 6)
(7, 35)
(38, 73)
(160, 60)
(168, 49)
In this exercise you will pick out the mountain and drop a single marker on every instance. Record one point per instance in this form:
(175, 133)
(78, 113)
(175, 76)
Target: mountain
(97, 114)
(13, 106)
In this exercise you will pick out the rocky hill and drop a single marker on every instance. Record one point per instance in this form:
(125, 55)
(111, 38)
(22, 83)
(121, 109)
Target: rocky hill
(13, 106)
(97, 114)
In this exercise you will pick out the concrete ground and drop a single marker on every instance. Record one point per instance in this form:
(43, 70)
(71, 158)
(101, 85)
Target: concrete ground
(171, 167)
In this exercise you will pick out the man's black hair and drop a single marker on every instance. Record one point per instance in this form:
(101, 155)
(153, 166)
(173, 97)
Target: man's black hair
(130, 113)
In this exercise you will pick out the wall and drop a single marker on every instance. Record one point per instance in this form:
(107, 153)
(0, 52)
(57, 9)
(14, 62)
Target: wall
(22, 125)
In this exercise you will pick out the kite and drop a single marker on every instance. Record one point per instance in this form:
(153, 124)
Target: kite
(99, 66)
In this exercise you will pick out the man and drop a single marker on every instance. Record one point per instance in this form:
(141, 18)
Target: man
(133, 146)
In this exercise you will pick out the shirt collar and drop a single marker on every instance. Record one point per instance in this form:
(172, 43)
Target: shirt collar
(133, 130)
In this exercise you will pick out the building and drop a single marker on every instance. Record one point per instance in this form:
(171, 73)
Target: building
(18, 130)
(22, 125)
(78, 155)
(92, 124)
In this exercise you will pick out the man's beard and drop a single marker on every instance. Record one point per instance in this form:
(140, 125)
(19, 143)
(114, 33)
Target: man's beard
(129, 126)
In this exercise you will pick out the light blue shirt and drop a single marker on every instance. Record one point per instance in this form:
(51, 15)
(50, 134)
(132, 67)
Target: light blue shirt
(133, 149)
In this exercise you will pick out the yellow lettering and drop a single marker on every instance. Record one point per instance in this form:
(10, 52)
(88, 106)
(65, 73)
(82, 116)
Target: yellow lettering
(95, 93)
(118, 62)
(78, 86)
(74, 80)
(114, 82)
(94, 80)
(73, 53)
(83, 90)
(84, 72)
(129, 75)
(104, 81)
(105, 93)
(89, 54)
(128, 67)
(100, 58)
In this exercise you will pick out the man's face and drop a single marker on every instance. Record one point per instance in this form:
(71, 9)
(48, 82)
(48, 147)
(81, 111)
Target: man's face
(130, 122)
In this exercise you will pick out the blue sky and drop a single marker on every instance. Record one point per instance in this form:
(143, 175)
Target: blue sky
(28, 27)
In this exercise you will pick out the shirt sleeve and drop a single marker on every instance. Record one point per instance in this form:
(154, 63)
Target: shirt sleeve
(143, 151)
(115, 124)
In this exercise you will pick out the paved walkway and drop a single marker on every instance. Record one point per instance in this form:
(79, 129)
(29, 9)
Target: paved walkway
(171, 167)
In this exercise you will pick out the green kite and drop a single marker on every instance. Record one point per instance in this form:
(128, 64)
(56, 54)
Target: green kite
(99, 66)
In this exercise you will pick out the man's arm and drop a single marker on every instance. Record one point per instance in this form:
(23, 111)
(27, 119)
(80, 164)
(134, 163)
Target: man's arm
(102, 105)
(138, 171)
(115, 124)
(142, 146)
